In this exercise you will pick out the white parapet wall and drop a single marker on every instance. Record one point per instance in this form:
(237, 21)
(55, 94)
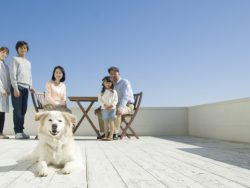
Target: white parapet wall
(149, 121)
(228, 120)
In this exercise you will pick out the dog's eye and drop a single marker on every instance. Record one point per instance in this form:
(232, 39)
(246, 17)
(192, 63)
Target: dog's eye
(50, 119)
(60, 120)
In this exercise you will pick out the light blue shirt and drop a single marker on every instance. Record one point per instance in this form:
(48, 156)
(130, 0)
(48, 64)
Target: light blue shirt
(125, 93)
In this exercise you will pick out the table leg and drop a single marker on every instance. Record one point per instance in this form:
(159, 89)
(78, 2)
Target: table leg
(85, 114)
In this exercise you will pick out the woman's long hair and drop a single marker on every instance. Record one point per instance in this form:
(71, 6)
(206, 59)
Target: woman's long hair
(63, 72)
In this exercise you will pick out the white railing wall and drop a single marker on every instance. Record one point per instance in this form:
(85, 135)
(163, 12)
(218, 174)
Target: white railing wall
(229, 120)
(149, 121)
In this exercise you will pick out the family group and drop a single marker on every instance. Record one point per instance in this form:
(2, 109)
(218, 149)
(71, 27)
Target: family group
(116, 96)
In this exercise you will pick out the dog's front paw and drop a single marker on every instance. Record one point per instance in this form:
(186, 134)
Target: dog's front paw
(43, 172)
(67, 170)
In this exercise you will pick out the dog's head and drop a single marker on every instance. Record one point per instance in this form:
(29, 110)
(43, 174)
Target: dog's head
(55, 123)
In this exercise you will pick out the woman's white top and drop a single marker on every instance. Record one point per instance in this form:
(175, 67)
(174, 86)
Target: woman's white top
(55, 94)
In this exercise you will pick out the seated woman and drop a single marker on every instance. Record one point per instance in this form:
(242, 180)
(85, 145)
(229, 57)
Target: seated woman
(55, 94)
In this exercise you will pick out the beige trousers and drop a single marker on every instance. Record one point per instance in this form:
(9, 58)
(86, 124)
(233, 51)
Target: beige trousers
(127, 110)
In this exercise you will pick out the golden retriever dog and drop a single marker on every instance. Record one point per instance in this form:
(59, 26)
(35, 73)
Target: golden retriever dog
(56, 143)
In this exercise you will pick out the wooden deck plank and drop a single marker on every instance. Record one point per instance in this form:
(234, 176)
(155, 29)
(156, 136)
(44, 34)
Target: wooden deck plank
(236, 157)
(10, 169)
(228, 171)
(132, 174)
(173, 161)
(233, 158)
(100, 171)
(9, 145)
(29, 179)
(169, 177)
(204, 177)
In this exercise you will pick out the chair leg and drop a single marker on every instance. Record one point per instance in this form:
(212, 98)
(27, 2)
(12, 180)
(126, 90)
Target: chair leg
(125, 132)
(130, 128)
(125, 129)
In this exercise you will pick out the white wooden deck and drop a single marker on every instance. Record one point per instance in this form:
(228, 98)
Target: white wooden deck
(148, 162)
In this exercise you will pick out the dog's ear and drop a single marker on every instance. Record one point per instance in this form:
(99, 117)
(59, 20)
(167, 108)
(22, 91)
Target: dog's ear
(69, 117)
(40, 115)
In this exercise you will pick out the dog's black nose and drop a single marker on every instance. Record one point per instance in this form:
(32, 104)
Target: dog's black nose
(54, 126)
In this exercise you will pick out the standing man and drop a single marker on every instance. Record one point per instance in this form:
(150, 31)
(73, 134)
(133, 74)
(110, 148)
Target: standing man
(21, 81)
(125, 103)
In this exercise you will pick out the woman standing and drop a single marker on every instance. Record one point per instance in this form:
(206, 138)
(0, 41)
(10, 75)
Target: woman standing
(4, 89)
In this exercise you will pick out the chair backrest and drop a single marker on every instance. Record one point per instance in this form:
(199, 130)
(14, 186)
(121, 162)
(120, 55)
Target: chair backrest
(38, 99)
(137, 103)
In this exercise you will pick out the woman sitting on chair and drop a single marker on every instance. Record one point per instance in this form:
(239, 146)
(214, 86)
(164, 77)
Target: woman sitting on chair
(55, 94)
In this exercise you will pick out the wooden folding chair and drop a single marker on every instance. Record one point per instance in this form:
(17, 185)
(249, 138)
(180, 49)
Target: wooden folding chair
(38, 99)
(127, 119)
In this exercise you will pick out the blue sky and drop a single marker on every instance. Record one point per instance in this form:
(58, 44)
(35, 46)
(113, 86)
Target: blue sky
(179, 52)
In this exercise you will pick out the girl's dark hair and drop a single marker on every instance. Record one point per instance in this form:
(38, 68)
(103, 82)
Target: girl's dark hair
(3, 48)
(107, 79)
(63, 72)
(20, 44)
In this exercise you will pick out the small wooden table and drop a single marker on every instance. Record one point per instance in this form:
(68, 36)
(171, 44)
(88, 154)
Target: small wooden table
(78, 100)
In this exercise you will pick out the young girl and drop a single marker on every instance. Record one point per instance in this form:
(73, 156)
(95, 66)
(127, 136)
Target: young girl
(4, 89)
(55, 94)
(21, 81)
(108, 99)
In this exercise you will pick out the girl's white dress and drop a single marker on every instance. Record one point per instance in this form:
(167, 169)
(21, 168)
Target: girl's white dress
(109, 97)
